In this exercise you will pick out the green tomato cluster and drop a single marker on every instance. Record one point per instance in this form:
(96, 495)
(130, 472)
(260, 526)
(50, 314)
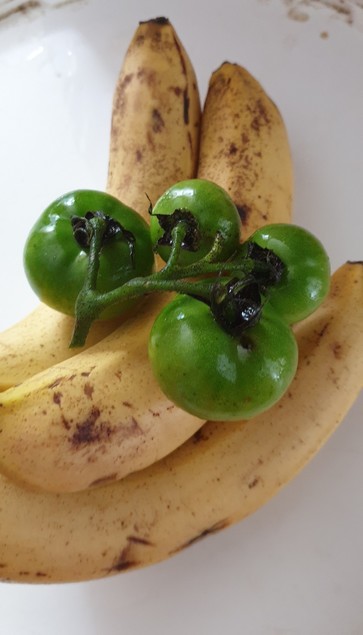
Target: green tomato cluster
(228, 355)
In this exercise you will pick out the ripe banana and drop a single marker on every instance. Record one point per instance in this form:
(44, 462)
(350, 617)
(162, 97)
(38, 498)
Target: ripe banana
(159, 86)
(100, 414)
(252, 145)
(154, 143)
(221, 475)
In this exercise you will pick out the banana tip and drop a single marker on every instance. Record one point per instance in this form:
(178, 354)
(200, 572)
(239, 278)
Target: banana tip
(226, 65)
(355, 262)
(160, 20)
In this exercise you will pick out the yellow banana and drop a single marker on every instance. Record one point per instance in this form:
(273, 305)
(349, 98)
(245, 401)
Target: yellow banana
(249, 137)
(159, 86)
(154, 143)
(222, 474)
(100, 414)
(92, 418)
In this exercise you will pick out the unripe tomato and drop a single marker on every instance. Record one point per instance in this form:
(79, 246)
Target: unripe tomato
(213, 212)
(306, 278)
(214, 375)
(55, 263)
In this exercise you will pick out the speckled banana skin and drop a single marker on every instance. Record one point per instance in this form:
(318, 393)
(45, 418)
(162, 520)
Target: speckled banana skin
(156, 118)
(245, 132)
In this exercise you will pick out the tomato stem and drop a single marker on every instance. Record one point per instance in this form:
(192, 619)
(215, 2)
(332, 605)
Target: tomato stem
(87, 309)
(178, 235)
(197, 279)
(98, 227)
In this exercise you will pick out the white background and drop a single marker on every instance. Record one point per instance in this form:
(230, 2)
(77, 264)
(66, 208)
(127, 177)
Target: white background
(296, 566)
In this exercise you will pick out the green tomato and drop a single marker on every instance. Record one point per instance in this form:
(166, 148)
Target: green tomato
(214, 375)
(55, 263)
(305, 280)
(213, 211)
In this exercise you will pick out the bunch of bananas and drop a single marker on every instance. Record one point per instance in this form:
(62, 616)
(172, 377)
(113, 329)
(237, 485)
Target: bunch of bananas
(100, 473)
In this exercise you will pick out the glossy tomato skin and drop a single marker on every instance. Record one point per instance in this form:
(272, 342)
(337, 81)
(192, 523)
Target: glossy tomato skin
(306, 279)
(56, 264)
(213, 375)
(213, 210)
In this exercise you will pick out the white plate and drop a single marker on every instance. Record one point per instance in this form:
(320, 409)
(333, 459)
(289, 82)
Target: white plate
(296, 566)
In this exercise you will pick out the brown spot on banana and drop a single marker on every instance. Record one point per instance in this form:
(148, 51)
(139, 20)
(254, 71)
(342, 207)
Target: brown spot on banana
(86, 373)
(157, 121)
(56, 382)
(244, 212)
(88, 431)
(88, 390)
(181, 55)
(260, 115)
(186, 102)
(140, 541)
(66, 424)
(215, 528)
(122, 563)
(126, 559)
(57, 397)
(338, 350)
(120, 94)
(104, 480)
(254, 482)
(232, 149)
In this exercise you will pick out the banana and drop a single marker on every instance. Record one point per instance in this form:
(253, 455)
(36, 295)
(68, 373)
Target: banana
(153, 143)
(221, 475)
(99, 415)
(159, 86)
(92, 418)
(252, 145)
